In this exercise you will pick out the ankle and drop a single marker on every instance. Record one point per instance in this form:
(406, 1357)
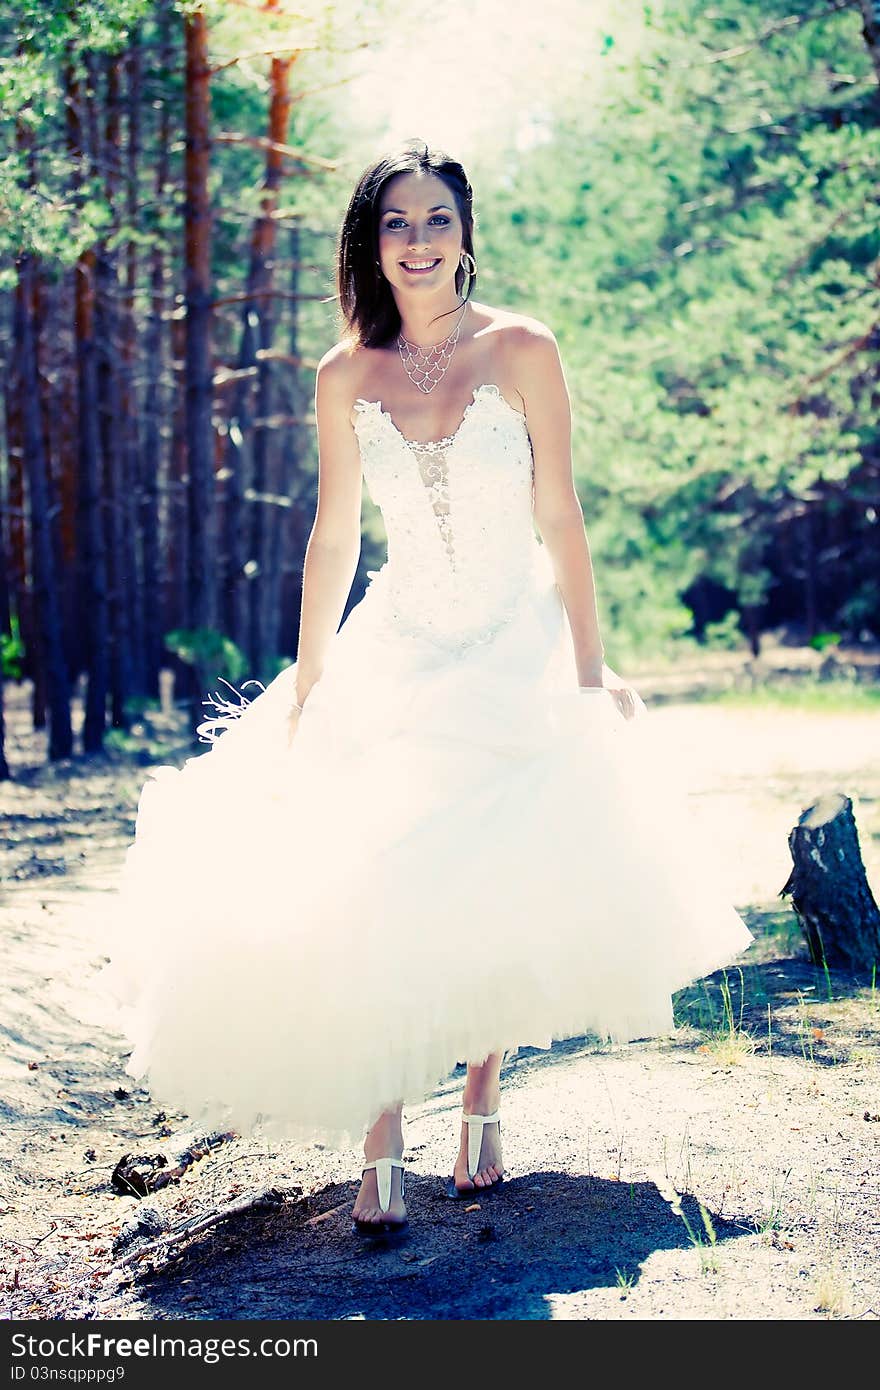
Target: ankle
(384, 1139)
(481, 1100)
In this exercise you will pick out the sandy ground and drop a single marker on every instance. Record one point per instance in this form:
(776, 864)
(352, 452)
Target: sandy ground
(698, 1177)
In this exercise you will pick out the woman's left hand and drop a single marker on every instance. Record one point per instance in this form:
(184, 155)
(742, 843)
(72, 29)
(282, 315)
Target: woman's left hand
(623, 695)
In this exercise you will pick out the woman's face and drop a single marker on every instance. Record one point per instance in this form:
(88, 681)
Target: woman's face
(420, 233)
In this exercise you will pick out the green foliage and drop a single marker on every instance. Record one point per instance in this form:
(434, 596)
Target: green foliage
(39, 212)
(209, 652)
(11, 652)
(834, 694)
(823, 640)
(725, 635)
(697, 221)
(707, 255)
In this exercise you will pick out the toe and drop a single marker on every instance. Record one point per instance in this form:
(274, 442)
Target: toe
(366, 1215)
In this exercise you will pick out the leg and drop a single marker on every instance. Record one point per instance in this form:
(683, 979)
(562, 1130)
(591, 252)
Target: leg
(482, 1096)
(384, 1140)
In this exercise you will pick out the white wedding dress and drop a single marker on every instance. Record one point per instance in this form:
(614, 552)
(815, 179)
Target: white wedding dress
(459, 852)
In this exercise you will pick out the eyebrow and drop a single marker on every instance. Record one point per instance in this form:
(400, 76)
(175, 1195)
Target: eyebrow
(440, 207)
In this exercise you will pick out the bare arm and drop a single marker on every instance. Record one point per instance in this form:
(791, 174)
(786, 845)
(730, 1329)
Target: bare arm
(335, 541)
(557, 510)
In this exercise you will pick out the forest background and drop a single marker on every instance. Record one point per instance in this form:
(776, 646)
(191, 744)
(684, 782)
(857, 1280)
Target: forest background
(687, 194)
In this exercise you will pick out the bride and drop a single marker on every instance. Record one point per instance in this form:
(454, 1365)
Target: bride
(442, 838)
(418, 343)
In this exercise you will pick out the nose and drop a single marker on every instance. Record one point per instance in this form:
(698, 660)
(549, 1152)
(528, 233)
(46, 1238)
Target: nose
(419, 236)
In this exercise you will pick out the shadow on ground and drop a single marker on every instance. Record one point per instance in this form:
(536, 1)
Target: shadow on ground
(780, 999)
(544, 1234)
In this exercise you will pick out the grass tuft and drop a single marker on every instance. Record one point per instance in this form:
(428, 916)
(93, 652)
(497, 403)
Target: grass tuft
(729, 1043)
(834, 1292)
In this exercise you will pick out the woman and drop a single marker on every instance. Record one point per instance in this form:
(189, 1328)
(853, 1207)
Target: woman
(451, 841)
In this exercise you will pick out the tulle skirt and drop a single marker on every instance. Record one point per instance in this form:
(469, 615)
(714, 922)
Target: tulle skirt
(459, 852)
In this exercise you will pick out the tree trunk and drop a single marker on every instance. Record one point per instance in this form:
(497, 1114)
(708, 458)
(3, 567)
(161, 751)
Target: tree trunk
(750, 616)
(829, 889)
(15, 499)
(49, 354)
(871, 31)
(65, 452)
(809, 570)
(132, 458)
(178, 492)
(154, 456)
(110, 399)
(22, 557)
(201, 555)
(5, 629)
(47, 598)
(287, 538)
(92, 561)
(202, 560)
(4, 766)
(236, 470)
(266, 513)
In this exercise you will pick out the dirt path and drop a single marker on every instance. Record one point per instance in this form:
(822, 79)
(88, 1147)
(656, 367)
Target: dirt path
(775, 1139)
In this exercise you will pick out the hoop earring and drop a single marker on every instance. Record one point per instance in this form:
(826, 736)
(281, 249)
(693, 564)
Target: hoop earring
(469, 270)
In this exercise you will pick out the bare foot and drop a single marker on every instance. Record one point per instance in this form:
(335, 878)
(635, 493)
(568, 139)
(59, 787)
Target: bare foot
(366, 1206)
(384, 1140)
(489, 1165)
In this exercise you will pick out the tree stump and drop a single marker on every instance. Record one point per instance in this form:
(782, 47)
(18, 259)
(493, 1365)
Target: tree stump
(829, 888)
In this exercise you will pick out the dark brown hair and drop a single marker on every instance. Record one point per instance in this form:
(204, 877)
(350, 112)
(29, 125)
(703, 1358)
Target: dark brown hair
(366, 303)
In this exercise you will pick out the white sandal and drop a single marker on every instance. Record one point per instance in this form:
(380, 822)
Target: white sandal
(383, 1168)
(475, 1125)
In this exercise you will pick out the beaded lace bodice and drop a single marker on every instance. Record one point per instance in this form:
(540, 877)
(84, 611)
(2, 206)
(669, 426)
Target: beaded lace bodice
(462, 550)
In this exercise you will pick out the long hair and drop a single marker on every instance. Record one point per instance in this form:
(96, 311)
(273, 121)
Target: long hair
(367, 305)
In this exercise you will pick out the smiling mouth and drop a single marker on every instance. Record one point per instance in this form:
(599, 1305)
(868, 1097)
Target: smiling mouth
(421, 267)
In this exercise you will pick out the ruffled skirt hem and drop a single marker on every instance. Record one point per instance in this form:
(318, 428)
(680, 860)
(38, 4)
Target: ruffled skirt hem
(452, 857)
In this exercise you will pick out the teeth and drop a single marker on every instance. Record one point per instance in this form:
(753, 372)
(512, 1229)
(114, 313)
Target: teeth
(420, 265)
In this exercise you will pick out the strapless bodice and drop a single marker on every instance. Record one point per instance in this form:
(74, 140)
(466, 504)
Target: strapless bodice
(462, 549)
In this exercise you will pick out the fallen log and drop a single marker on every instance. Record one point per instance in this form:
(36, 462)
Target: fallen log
(829, 888)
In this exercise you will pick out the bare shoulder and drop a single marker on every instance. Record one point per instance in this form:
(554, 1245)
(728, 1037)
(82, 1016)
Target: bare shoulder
(515, 332)
(338, 383)
(527, 358)
(339, 369)
(524, 346)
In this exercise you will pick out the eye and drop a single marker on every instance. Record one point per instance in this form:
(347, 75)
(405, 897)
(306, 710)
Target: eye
(438, 219)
